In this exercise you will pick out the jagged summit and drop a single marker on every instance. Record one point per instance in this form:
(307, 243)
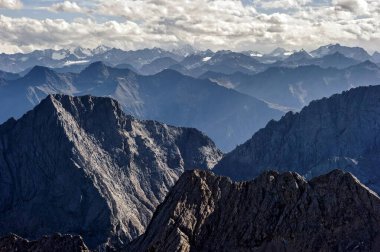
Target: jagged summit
(95, 70)
(79, 165)
(274, 212)
(351, 52)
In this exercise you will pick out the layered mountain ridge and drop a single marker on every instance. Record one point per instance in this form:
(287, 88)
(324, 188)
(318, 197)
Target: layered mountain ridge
(225, 115)
(79, 165)
(294, 88)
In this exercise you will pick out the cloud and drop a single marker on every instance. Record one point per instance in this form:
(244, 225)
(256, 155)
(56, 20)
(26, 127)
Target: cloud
(10, 4)
(66, 6)
(355, 6)
(281, 4)
(213, 24)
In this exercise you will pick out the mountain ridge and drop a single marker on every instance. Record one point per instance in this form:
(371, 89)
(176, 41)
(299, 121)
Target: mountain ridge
(326, 134)
(274, 212)
(79, 165)
(154, 97)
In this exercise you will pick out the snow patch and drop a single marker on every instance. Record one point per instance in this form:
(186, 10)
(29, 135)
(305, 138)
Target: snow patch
(279, 107)
(58, 55)
(299, 92)
(69, 62)
(205, 59)
(256, 55)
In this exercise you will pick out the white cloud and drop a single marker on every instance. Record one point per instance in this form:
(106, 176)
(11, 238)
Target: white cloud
(66, 6)
(281, 4)
(213, 24)
(354, 6)
(10, 4)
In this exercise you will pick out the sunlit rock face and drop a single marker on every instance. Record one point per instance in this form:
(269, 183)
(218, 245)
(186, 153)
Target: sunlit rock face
(79, 165)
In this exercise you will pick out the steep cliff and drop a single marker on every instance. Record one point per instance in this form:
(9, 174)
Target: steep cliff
(79, 165)
(337, 132)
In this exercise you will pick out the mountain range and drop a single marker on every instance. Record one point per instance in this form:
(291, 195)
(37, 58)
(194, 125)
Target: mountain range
(79, 165)
(111, 150)
(66, 58)
(185, 59)
(293, 88)
(227, 116)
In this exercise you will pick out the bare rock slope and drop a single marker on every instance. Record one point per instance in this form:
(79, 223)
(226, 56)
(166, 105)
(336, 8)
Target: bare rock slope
(340, 132)
(274, 212)
(79, 165)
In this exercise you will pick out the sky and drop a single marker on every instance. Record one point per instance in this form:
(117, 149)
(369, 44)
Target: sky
(259, 25)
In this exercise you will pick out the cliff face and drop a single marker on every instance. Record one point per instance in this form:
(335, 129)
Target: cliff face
(56, 243)
(338, 132)
(274, 212)
(79, 165)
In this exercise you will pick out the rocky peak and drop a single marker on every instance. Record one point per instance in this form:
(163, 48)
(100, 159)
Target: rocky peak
(39, 74)
(79, 165)
(274, 212)
(96, 70)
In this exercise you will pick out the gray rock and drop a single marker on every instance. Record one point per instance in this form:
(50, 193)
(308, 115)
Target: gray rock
(337, 132)
(54, 243)
(274, 212)
(79, 165)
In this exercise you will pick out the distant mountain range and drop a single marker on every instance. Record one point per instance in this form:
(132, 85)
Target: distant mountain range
(228, 116)
(357, 53)
(337, 132)
(79, 165)
(65, 59)
(293, 88)
(148, 86)
(185, 59)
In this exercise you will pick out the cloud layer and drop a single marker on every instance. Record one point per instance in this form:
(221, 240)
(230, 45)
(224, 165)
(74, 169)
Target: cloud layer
(10, 4)
(215, 24)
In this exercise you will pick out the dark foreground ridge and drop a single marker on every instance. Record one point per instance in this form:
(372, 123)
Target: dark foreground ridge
(56, 243)
(274, 212)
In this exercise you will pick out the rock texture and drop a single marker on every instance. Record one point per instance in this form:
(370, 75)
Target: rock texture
(55, 243)
(79, 165)
(274, 212)
(339, 132)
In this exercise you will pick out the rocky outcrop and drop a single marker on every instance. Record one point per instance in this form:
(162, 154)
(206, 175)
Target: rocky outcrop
(274, 212)
(79, 165)
(337, 132)
(56, 243)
